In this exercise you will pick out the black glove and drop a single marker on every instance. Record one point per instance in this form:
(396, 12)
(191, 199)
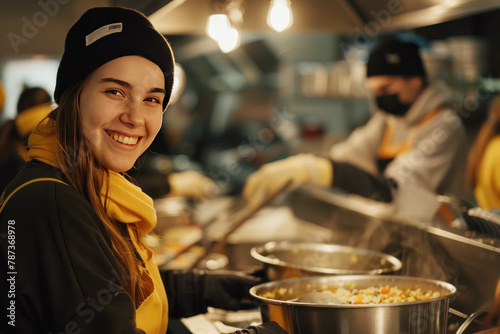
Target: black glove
(190, 292)
(229, 290)
(266, 328)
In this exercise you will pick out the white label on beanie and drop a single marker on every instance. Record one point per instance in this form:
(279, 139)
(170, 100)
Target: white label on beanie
(103, 31)
(392, 58)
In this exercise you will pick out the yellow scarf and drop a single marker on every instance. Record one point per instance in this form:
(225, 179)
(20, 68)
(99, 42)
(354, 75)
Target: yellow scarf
(128, 204)
(28, 119)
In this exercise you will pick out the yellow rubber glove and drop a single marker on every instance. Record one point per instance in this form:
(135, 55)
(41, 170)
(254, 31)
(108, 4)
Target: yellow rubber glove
(300, 169)
(191, 184)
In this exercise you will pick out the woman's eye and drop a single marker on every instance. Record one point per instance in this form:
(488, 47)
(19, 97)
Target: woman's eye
(153, 99)
(114, 92)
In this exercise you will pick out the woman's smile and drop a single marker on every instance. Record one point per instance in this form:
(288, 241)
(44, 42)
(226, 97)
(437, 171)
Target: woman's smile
(123, 139)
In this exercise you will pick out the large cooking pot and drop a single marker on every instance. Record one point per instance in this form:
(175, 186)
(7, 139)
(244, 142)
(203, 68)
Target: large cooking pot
(283, 260)
(429, 316)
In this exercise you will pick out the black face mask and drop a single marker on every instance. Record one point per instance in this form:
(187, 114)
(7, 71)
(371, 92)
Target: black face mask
(391, 104)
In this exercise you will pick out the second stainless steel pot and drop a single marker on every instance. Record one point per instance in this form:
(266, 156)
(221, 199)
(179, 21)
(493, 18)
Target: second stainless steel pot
(299, 259)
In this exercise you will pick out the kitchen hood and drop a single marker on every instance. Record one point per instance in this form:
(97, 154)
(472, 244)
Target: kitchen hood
(188, 17)
(183, 22)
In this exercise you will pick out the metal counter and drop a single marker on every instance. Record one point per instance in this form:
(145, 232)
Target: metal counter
(469, 262)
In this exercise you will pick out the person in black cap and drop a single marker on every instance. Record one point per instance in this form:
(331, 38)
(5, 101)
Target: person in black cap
(413, 141)
(71, 222)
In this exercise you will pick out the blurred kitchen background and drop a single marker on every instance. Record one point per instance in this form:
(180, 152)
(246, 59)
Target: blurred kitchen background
(275, 93)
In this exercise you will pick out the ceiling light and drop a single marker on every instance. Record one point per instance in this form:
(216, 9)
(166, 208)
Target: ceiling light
(223, 27)
(280, 15)
(217, 25)
(230, 40)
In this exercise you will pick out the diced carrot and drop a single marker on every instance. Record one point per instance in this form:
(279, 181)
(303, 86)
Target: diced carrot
(358, 302)
(385, 290)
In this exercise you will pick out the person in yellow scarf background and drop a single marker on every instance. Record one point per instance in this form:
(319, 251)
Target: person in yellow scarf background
(72, 223)
(33, 105)
(483, 171)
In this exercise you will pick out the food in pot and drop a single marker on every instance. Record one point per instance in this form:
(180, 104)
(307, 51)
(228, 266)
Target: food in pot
(384, 294)
(285, 304)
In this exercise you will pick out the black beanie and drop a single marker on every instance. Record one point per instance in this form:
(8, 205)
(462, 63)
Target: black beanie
(395, 58)
(106, 33)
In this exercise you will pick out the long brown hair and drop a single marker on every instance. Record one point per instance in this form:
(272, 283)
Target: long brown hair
(87, 176)
(488, 131)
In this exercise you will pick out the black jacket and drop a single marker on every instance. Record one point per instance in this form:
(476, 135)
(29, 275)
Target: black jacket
(62, 273)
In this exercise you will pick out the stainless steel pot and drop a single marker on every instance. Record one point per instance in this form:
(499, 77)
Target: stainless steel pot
(285, 260)
(429, 316)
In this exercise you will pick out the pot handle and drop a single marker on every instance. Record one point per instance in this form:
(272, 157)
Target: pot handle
(470, 319)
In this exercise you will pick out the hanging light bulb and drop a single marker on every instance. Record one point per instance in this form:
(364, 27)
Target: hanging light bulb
(230, 40)
(280, 15)
(223, 27)
(217, 25)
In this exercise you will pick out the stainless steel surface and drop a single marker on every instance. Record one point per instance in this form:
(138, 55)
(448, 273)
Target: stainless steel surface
(428, 316)
(412, 14)
(483, 221)
(299, 259)
(468, 261)
(243, 215)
